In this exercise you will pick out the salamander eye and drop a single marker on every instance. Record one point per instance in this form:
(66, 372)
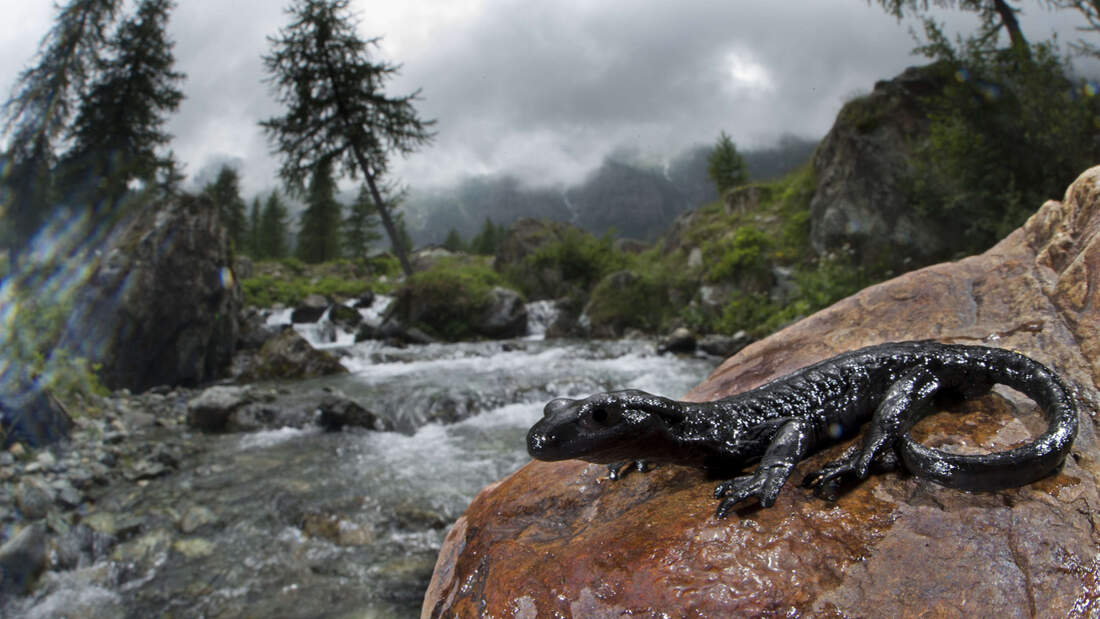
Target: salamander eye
(601, 417)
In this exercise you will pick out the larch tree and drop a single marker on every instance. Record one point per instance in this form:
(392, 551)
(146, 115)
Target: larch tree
(37, 113)
(119, 127)
(325, 74)
(725, 166)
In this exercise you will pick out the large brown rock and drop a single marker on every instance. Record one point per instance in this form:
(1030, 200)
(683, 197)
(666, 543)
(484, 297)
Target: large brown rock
(559, 539)
(161, 304)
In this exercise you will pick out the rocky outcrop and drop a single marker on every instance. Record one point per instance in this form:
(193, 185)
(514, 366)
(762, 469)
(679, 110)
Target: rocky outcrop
(559, 539)
(289, 356)
(860, 202)
(161, 305)
(522, 239)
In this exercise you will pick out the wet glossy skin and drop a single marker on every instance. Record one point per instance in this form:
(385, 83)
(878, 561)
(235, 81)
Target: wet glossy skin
(781, 422)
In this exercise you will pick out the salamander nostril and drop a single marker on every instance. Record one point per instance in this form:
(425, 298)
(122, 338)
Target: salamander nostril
(600, 415)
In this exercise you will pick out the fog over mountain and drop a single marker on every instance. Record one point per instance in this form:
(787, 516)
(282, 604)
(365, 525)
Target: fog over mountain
(630, 194)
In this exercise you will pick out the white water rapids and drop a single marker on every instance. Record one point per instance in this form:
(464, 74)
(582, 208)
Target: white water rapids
(349, 523)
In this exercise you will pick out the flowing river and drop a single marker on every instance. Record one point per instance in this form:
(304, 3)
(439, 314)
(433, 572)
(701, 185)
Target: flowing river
(312, 524)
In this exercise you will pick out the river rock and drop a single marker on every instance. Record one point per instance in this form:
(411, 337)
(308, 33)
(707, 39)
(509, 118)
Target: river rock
(28, 414)
(211, 409)
(289, 356)
(681, 340)
(23, 559)
(344, 317)
(504, 315)
(338, 412)
(724, 345)
(559, 539)
(162, 303)
(310, 309)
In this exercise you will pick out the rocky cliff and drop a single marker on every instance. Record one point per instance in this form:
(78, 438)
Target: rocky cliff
(860, 202)
(161, 304)
(559, 539)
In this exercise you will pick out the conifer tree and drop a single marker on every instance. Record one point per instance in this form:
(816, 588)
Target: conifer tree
(272, 235)
(36, 115)
(319, 235)
(454, 241)
(725, 165)
(361, 225)
(254, 228)
(225, 192)
(119, 126)
(324, 73)
(488, 239)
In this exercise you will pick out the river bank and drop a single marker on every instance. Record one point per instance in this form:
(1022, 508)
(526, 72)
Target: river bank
(143, 515)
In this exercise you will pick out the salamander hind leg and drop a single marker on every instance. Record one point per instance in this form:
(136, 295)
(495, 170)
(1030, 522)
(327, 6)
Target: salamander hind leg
(906, 401)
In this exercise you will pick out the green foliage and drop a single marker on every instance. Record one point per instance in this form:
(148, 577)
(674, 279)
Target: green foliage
(648, 297)
(725, 165)
(743, 255)
(455, 242)
(225, 192)
(1006, 134)
(322, 70)
(361, 225)
(271, 241)
(37, 114)
(119, 126)
(36, 319)
(488, 240)
(444, 299)
(319, 236)
(578, 262)
(266, 290)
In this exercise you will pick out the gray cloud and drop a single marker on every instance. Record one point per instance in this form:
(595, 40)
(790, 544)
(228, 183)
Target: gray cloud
(545, 89)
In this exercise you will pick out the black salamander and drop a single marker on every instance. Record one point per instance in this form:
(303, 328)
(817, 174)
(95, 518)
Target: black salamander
(779, 423)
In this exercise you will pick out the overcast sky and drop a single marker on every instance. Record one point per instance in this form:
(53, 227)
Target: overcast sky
(543, 89)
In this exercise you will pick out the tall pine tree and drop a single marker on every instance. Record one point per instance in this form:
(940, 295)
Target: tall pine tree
(37, 114)
(319, 235)
(272, 241)
(324, 73)
(119, 127)
(225, 192)
(361, 225)
(254, 228)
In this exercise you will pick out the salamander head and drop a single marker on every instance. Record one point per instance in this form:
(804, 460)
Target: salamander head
(604, 428)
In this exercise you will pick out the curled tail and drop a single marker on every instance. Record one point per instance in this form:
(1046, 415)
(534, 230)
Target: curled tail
(1014, 467)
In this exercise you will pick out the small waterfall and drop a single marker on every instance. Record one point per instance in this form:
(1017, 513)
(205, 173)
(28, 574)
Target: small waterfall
(540, 315)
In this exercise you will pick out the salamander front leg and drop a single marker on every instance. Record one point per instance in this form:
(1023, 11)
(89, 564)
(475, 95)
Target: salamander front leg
(907, 400)
(790, 444)
(618, 470)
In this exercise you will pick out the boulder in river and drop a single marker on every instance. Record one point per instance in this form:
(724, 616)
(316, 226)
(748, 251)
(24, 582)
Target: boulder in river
(289, 356)
(162, 303)
(560, 539)
(310, 309)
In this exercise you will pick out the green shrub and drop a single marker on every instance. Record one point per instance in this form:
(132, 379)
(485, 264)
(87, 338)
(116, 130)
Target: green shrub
(572, 265)
(649, 298)
(444, 299)
(743, 256)
(267, 290)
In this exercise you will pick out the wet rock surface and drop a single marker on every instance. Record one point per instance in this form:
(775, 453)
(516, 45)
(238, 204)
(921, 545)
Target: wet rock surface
(288, 356)
(161, 306)
(560, 539)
